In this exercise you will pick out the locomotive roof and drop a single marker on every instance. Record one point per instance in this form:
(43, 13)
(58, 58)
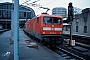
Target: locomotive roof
(48, 15)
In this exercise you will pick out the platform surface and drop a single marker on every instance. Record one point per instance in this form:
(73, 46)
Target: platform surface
(39, 52)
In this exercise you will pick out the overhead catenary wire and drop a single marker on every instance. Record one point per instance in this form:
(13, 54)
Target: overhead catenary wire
(30, 4)
(49, 2)
(25, 1)
(35, 1)
(35, 5)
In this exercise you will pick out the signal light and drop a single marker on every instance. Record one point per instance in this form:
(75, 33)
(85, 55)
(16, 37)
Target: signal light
(70, 12)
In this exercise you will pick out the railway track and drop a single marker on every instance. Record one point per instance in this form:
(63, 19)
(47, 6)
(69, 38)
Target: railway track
(73, 53)
(84, 40)
(78, 52)
(69, 52)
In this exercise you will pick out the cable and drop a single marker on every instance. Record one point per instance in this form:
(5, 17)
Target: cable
(32, 4)
(35, 1)
(49, 2)
(35, 5)
(25, 2)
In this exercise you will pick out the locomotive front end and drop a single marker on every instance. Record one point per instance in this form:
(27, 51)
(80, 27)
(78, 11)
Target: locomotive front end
(52, 26)
(52, 29)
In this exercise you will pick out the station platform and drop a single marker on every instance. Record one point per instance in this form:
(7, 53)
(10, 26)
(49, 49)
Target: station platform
(3, 30)
(29, 49)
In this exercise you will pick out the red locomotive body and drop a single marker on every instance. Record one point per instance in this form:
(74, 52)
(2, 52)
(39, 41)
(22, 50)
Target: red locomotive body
(45, 27)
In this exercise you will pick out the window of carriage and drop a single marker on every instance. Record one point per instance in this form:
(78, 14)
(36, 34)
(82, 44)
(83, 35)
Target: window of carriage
(37, 19)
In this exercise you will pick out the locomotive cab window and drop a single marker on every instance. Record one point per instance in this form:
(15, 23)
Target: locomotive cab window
(47, 20)
(52, 20)
(57, 21)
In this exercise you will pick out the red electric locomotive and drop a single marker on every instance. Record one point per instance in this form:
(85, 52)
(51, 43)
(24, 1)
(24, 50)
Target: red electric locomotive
(47, 28)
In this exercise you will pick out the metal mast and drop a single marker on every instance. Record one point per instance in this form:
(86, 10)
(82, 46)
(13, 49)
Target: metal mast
(16, 29)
